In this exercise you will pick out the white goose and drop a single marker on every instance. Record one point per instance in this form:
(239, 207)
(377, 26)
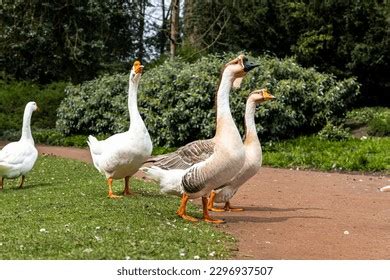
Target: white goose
(122, 154)
(195, 169)
(253, 155)
(18, 158)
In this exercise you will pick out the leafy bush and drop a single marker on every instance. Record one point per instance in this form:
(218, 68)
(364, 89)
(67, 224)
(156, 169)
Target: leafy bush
(377, 119)
(98, 106)
(15, 95)
(333, 133)
(48, 137)
(176, 100)
(379, 125)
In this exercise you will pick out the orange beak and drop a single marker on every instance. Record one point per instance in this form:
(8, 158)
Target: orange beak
(267, 95)
(138, 67)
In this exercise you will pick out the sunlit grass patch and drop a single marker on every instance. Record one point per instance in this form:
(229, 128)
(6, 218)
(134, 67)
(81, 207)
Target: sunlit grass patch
(64, 213)
(368, 155)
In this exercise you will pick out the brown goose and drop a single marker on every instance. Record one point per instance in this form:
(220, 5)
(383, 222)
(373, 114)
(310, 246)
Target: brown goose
(253, 155)
(196, 168)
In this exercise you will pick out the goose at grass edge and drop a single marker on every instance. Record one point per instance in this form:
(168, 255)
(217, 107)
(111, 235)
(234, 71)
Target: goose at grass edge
(121, 155)
(196, 168)
(18, 158)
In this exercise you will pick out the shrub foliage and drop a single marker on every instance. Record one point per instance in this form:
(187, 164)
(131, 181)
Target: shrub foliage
(15, 95)
(176, 100)
(376, 119)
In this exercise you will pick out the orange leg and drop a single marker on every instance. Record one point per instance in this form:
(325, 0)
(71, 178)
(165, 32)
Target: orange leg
(181, 212)
(1, 183)
(110, 193)
(206, 216)
(21, 182)
(232, 209)
(210, 204)
(127, 191)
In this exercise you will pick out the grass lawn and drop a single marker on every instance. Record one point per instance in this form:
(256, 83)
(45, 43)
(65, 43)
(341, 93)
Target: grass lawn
(369, 155)
(63, 213)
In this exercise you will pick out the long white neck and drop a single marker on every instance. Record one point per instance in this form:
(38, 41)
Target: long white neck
(135, 117)
(26, 128)
(250, 125)
(224, 115)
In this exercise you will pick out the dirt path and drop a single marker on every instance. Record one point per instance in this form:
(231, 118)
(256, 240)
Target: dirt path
(294, 214)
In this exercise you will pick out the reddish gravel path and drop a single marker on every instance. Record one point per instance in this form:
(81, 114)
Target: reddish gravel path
(302, 214)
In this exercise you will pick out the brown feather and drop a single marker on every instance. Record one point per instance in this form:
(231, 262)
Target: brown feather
(185, 156)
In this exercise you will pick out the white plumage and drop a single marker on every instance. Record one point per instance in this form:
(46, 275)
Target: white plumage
(122, 154)
(18, 158)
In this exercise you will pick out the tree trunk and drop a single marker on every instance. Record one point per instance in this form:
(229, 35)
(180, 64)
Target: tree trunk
(141, 29)
(174, 26)
(163, 31)
(190, 31)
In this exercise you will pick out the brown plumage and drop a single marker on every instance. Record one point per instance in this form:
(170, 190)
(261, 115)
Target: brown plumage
(185, 156)
(195, 169)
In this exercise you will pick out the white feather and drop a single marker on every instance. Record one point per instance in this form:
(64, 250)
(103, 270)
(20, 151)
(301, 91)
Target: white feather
(385, 189)
(18, 158)
(122, 154)
(168, 180)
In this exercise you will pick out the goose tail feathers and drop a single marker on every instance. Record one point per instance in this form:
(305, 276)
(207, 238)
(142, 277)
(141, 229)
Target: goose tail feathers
(91, 140)
(169, 180)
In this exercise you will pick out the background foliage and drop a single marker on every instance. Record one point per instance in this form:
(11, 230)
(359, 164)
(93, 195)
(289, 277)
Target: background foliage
(14, 96)
(375, 120)
(62, 40)
(346, 38)
(176, 100)
(78, 40)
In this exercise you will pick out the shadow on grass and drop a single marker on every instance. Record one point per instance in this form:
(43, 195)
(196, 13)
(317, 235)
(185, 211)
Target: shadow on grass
(153, 194)
(30, 186)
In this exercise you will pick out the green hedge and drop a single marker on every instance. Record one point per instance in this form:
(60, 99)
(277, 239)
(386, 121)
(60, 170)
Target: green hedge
(377, 120)
(176, 100)
(15, 95)
(49, 137)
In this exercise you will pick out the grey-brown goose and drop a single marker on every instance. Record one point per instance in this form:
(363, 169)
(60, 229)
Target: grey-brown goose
(196, 168)
(253, 155)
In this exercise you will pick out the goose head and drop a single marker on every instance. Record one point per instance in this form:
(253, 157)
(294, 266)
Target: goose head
(238, 68)
(32, 106)
(260, 96)
(136, 72)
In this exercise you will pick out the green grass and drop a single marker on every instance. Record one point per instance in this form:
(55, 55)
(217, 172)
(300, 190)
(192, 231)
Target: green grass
(369, 155)
(64, 213)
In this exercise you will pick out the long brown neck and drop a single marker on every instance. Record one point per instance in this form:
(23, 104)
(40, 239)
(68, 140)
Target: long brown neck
(250, 125)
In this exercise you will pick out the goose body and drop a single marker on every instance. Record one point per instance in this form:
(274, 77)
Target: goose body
(196, 168)
(122, 154)
(18, 158)
(253, 155)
